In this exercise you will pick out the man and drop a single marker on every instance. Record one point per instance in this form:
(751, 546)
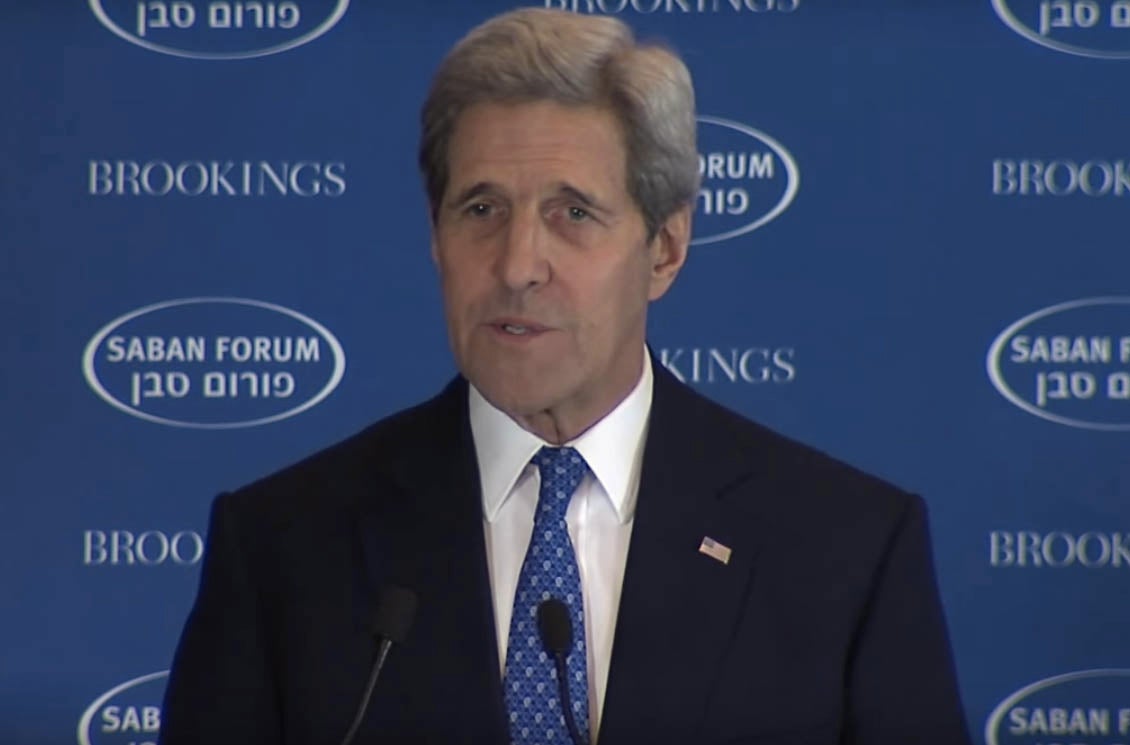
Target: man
(723, 584)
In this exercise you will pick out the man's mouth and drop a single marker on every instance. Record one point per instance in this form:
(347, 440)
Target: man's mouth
(518, 327)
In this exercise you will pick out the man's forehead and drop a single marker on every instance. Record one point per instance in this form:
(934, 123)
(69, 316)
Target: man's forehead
(567, 122)
(546, 144)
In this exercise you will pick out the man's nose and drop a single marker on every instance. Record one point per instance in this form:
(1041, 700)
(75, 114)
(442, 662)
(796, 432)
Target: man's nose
(522, 262)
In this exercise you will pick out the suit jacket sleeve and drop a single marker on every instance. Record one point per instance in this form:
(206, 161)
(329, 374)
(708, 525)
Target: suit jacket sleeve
(220, 688)
(901, 683)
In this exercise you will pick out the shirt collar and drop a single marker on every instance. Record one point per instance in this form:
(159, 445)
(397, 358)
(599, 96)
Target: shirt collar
(613, 448)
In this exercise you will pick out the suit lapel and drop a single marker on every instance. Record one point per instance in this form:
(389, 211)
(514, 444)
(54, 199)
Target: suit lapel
(421, 528)
(679, 608)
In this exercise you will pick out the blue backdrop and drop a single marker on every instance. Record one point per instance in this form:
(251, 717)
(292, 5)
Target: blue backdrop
(910, 251)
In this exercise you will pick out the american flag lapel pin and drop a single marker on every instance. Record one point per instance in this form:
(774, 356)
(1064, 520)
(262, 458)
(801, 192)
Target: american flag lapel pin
(715, 550)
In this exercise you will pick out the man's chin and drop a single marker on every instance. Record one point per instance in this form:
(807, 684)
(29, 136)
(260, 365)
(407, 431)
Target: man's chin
(516, 402)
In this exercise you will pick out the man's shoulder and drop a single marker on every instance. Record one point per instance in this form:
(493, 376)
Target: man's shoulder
(369, 460)
(807, 477)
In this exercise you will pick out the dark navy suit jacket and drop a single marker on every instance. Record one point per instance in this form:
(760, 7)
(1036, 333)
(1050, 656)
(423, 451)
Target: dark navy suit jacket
(824, 628)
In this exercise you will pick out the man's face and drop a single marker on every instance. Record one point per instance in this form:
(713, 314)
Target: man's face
(544, 262)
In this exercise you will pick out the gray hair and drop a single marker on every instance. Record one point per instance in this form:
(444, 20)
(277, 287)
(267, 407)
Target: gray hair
(534, 54)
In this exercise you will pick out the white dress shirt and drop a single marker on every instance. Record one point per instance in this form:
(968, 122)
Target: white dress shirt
(599, 518)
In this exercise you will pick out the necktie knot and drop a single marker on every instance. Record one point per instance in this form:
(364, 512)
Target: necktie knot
(561, 471)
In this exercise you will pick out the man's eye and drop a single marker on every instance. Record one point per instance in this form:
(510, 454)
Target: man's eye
(577, 214)
(479, 209)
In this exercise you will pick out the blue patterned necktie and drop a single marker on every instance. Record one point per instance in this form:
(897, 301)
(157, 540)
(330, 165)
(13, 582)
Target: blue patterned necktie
(550, 570)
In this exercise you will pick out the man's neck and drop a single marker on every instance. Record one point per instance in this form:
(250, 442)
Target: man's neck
(566, 423)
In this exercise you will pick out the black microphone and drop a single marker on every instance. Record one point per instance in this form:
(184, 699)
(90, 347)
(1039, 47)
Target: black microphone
(394, 615)
(557, 635)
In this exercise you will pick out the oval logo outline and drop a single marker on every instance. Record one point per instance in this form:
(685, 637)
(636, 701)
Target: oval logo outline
(998, 713)
(323, 27)
(992, 362)
(792, 179)
(93, 381)
(1009, 18)
(83, 732)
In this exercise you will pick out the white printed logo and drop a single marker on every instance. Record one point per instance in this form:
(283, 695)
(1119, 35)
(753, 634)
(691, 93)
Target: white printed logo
(1060, 177)
(748, 365)
(1089, 707)
(748, 179)
(218, 30)
(213, 363)
(647, 7)
(127, 713)
(1088, 28)
(1068, 363)
(141, 548)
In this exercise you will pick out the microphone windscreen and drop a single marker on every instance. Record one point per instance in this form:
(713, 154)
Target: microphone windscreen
(554, 626)
(395, 612)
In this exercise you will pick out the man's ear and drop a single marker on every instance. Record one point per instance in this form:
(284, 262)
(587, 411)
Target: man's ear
(668, 250)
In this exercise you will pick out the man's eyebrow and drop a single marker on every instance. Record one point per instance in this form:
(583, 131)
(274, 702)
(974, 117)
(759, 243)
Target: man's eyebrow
(586, 199)
(481, 188)
(472, 191)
